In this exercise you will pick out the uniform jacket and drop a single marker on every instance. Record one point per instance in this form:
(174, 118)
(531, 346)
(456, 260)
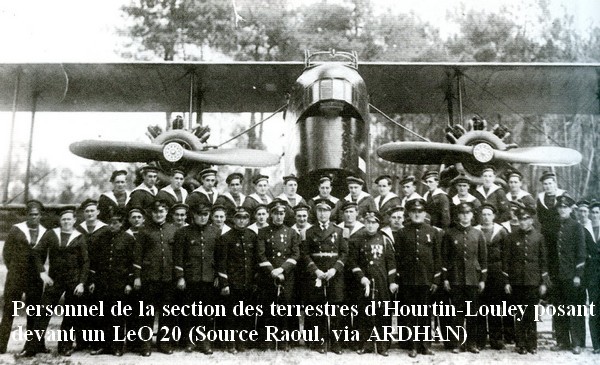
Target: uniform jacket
(235, 258)
(592, 264)
(438, 208)
(524, 261)
(278, 246)
(523, 196)
(412, 196)
(229, 203)
(108, 202)
(323, 250)
(200, 196)
(111, 262)
(548, 216)
(336, 215)
(494, 251)
(252, 201)
(290, 218)
(469, 199)
(418, 255)
(194, 253)
(18, 253)
(571, 251)
(153, 255)
(390, 200)
(68, 263)
(168, 194)
(365, 203)
(496, 196)
(372, 256)
(464, 256)
(142, 196)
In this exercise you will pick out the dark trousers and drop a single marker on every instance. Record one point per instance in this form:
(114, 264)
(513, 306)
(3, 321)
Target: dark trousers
(52, 296)
(459, 295)
(417, 295)
(494, 326)
(526, 328)
(233, 322)
(594, 321)
(197, 292)
(326, 325)
(569, 331)
(17, 283)
(157, 294)
(366, 324)
(441, 297)
(110, 321)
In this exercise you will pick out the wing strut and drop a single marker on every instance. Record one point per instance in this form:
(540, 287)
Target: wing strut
(254, 126)
(398, 124)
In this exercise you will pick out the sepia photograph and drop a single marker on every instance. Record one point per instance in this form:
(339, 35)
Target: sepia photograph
(280, 181)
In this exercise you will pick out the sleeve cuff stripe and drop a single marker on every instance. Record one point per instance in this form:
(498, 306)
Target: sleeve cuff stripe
(356, 269)
(265, 264)
(137, 266)
(341, 263)
(224, 276)
(179, 268)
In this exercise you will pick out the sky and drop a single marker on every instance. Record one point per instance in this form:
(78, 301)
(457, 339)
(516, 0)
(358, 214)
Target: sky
(87, 31)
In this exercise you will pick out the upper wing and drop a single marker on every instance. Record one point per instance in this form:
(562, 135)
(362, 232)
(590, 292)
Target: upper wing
(260, 87)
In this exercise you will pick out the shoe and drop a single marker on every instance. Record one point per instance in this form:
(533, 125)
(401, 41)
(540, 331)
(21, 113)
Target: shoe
(166, 351)
(533, 351)
(99, 351)
(522, 351)
(558, 347)
(596, 351)
(456, 351)
(426, 352)
(205, 348)
(360, 351)
(473, 349)
(26, 353)
(384, 353)
(232, 350)
(145, 353)
(118, 353)
(67, 353)
(576, 350)
(336, 348)
(189, 348)
(45, 350)
(412, 353)
(499, 345)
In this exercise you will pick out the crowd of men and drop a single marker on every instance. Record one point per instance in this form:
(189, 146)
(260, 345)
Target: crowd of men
(481, 244)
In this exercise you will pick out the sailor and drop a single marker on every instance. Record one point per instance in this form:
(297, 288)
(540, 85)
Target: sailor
(235, 263)
(290, 196)
(22, 276)
(325, 252)
(218, 217)
(261, 218)
(174, 192)
(515, 192)
(145, 193)
(193, 259)
(419, 267)
(363, 199)
(437, 201)
(371, 258)
(409, 189)
(462, 184)
(491, 193)
(260, 195)
(324, 193)
(301, 213)
(396, 222)
(179, 214)
(118, 197)
(277, 253)
(234, 197)
(206, 193)
(386, 199)
(592, 266)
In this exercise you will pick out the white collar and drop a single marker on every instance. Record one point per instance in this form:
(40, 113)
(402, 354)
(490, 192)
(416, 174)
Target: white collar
(73, 235)
(99, 224)
(201, 190)
(295, 227)
(542, 195)
(470, 198)
(496, 228)
(143, 187)
(225, 229)
(254, 227)
(387, 230)
(230, 197)
(481, 191)
(298, 198)
(259, 199)
(361, 196)
(331, 198)
(111, 195)
(387, 197)
(522, 193)
(412, 196)
(169, 190)
(357, 225)
(25, 229)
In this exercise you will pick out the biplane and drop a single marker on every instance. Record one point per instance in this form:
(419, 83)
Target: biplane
(326, 103)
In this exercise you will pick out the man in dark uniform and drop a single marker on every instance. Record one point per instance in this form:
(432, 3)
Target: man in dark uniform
(118, 197)
(514, 179)
(234, 197)
(363, 199)
(464, 257)
(22, 276)
(236, 266)
(567, 288)
(278, 252)
(436, 200)
(206, 193)
(325, 253)
(386, 198)
(325, 193)
(174, 192)
(593, 274)
(178, 214)
(111, 268)
(193, 257)
(68, 270)
(494, 293)
(218, 217)
(260, 195)
(153, 270)
(491, 193)
(373, 265)
(144, 194)
(91, 228)
(409, 189)
(419, 265)
(525, 271)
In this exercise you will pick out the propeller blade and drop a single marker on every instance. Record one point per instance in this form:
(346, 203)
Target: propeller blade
(422, 153)
(233, 156)
(543, 156)
(117, 151)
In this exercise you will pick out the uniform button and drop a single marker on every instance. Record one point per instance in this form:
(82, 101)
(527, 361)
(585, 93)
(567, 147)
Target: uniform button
(278, 253)
(370, 262)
